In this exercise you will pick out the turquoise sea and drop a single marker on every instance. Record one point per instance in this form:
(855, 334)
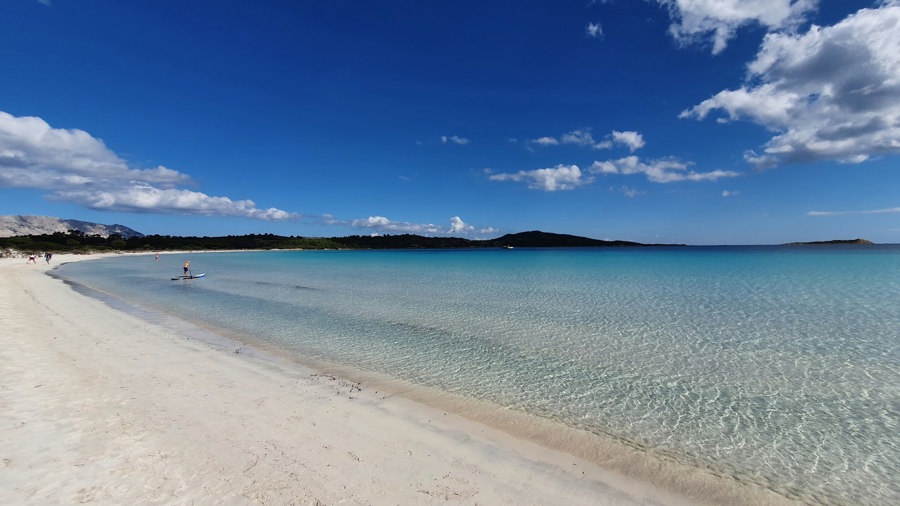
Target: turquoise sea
(778, 366)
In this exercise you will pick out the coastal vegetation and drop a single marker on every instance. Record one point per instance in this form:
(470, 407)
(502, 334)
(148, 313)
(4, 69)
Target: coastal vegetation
(832, 243)
(75, 241)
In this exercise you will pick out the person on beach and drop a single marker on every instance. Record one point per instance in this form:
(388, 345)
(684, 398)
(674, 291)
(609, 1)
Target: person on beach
(32, 258)
(187, 267)
(48, 256)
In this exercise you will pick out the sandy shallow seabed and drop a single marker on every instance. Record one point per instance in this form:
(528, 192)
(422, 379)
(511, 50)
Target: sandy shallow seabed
(98, 406)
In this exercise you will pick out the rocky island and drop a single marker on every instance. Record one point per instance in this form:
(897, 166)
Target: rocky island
(832, 242)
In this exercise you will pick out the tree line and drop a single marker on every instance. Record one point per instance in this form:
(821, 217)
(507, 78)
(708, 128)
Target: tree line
(75, 241)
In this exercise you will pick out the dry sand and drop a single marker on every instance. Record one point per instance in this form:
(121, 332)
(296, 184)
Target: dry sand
(99, 406)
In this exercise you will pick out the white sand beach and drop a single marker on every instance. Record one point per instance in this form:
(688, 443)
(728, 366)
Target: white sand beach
(98, 406)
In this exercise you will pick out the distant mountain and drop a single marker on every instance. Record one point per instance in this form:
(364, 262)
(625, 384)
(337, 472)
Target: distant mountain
(11, 226)
(538, 239)
(533, 239)
(832, 242)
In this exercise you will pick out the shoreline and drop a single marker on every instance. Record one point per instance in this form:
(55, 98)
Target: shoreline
(100, 405)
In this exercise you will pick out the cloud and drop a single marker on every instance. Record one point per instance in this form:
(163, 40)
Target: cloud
(668, 170)
(569, 177)
(832, 93)
(579, 138)
(73, 166)
(546, 141)
(380, 224)
(458, 226)
(630, 192)
(575, 137)
(632, 140)
(730, 193)
(561, 177)
(695, 21)
(845, 213)
(594, 30)
(455, 139)
(143, 198)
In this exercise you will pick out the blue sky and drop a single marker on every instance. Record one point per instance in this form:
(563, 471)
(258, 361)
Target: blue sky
(688, 121)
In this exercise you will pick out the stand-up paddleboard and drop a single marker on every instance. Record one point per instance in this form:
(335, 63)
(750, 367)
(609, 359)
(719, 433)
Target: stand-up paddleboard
(190, 276)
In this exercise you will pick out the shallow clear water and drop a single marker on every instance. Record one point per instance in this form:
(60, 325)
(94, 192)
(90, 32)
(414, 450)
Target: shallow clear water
(777, 365)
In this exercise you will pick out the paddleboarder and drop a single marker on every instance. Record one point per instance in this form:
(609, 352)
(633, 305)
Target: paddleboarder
(187, 268)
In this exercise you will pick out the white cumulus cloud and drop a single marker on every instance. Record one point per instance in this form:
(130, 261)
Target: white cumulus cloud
(382, 225)
(458, 226)
(667, 170)
(632, 140)
(73, 166)
(832, 93)
(579, 138)
(561, 177)
(546, 141)
(694, 21)
(584, 137)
